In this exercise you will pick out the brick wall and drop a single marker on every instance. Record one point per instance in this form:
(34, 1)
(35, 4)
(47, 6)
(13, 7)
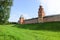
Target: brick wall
(45, 19)
(51, 18)
(33, 20)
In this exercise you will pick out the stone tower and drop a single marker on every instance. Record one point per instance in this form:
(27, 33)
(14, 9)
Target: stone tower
(21, 21)
(41, 14)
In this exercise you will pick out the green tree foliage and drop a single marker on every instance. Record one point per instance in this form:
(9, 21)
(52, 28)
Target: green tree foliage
(5, 6)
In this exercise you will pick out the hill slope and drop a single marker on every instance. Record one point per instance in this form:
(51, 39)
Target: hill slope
(23, 32)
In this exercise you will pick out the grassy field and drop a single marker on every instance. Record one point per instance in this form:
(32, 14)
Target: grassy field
(43, 31)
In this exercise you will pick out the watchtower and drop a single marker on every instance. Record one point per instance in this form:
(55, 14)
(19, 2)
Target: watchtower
(41, 14)
(21, 20)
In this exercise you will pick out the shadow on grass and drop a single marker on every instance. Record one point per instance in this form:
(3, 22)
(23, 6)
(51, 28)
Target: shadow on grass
(50, 26)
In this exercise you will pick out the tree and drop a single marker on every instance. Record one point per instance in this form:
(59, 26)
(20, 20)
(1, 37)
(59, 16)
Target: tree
(5, 6)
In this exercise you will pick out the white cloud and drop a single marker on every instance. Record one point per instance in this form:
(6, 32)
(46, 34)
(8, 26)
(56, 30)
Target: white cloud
(51, 7)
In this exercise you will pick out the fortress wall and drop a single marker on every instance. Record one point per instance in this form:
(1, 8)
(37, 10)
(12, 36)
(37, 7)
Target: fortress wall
(28, 21)
(52, 18)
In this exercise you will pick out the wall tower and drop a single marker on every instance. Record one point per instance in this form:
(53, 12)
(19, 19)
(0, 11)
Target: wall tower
(41, 14)
(21, 21)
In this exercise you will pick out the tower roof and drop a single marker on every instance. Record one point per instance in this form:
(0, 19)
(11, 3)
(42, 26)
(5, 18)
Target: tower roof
(40, 7)
(21, 16)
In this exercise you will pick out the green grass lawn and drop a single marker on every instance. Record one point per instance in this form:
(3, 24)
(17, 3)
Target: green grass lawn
(29, 32)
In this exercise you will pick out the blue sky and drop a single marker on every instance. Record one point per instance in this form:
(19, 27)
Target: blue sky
(29, 8)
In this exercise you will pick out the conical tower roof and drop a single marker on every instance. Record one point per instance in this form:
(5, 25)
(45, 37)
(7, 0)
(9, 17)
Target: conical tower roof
(21, 16)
